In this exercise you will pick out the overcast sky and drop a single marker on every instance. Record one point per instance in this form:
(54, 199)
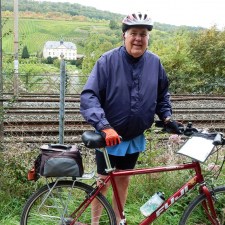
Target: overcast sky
(205, 13)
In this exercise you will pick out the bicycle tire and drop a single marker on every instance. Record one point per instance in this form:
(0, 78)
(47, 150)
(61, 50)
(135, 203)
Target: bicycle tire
(195, 215)
(58, 206)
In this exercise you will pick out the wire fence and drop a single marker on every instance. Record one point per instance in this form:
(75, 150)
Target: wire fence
(43, 83)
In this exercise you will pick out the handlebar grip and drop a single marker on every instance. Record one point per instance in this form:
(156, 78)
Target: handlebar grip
(218, 139)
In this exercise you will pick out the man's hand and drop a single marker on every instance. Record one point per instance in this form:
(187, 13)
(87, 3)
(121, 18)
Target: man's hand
(111, 136)
(173, 127)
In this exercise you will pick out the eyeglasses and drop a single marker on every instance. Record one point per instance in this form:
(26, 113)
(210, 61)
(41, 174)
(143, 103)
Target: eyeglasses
(136, 34)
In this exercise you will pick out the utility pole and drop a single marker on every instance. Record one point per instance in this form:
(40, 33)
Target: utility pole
(16, 48)
(1, 84)
(1, 78)
(62, 99)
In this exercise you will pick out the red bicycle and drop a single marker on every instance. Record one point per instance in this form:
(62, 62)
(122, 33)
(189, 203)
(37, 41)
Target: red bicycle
(68, 202)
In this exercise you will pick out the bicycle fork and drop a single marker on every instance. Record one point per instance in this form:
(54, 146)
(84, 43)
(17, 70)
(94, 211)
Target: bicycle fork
(208, 206)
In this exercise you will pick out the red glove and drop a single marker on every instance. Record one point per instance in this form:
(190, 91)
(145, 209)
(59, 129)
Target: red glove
(111, 137)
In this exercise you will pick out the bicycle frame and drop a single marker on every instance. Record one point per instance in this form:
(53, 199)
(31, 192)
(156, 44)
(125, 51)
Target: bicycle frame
(189, 185)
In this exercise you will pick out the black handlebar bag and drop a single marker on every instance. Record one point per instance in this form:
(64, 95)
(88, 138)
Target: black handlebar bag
(61, 161)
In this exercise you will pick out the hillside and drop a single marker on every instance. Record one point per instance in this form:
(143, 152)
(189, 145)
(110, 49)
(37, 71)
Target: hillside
(43, 21)
(65, 8)
(77, 10)
(35, 32)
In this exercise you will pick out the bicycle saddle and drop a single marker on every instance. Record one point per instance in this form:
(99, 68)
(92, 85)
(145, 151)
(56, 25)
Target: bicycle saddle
(93, 140)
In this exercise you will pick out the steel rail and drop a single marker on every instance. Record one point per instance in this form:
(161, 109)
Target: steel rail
(77, 111)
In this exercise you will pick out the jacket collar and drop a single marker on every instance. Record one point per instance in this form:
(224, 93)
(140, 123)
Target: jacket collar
(130, 58)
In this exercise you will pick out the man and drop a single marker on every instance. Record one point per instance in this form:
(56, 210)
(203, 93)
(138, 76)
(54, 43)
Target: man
(126, 88)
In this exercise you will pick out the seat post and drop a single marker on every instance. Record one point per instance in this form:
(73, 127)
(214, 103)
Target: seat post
(108, 164)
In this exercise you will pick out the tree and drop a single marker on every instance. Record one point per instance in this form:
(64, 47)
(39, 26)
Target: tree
(25, 53)
(207, 47)
(94, 47)
(49, 60)
(113, 25)
(175, 56)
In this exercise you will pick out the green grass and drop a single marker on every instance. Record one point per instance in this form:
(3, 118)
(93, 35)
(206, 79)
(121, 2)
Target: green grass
(15, 189)
(35, 32)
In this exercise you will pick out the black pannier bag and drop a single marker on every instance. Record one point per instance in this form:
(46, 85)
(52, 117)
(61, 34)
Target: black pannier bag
(59, 160)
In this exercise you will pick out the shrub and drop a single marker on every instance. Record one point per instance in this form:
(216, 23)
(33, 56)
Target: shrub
(14, 186)
(25, 53)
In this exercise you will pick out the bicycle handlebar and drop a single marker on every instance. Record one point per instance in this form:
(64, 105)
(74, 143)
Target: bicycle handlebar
(91, 139)
(219, 140)
(187, 131)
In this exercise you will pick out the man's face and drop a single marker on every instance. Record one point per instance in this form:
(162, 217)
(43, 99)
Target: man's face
(136, 41)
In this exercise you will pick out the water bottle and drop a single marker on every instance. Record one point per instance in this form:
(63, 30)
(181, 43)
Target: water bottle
(152, 204)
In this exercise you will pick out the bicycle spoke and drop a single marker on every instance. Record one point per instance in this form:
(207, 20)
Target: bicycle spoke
(196, 215)
(57, 207)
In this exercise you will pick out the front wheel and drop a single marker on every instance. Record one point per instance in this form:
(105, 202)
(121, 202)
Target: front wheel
(56, 207)
(195, 214)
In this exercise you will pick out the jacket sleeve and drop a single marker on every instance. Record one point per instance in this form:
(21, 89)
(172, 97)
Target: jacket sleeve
(92, 97)
(163, 108)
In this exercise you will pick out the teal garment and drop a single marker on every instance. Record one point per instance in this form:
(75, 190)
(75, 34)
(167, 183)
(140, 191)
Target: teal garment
(136, 144)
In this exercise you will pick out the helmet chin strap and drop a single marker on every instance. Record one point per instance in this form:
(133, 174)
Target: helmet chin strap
(123, 36)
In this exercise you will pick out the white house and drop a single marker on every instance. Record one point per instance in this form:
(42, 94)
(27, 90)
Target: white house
(58, 48)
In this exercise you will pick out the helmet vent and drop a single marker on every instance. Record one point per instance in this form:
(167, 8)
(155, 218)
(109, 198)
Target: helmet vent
(140, 16)
(134, 16)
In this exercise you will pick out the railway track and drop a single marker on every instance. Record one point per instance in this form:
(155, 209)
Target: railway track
(77, 127)
(76, 98)
(80, 123)
(34, 118)
(75, 110)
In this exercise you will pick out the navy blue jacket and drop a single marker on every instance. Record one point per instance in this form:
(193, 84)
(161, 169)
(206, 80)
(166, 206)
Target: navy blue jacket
(125, 93)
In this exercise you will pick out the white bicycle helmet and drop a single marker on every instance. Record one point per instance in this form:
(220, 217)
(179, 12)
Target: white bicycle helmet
(137, 19)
